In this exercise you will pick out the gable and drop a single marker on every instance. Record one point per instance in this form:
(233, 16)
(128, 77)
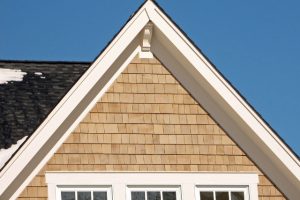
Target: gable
(190, 67)
(147, 121)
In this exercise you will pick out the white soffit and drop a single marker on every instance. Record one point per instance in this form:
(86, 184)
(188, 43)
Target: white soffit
(192, 69)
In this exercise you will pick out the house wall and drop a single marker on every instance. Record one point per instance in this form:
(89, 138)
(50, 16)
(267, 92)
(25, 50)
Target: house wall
(148, 122)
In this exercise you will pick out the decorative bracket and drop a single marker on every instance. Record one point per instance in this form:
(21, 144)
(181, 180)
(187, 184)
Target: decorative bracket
(146, 41)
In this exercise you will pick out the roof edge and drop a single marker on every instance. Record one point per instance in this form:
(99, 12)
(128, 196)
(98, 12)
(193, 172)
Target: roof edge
(45, 62)
(228, 81)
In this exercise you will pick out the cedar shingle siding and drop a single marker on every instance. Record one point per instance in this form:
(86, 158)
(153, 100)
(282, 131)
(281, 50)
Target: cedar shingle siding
(148, 122)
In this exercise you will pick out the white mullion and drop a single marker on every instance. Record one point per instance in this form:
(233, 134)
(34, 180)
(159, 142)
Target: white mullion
(229, 193)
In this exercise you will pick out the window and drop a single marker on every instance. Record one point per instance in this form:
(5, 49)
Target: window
(222, 193)
(153, 193)
(83, 193)
(152, 186)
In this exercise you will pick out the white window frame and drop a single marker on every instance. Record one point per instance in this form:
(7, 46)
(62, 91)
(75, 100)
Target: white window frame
(149, 188)
(77, 188)
(121, 181)
(214, 189)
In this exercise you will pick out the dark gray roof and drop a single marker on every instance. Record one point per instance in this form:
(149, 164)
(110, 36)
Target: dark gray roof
(25, 104)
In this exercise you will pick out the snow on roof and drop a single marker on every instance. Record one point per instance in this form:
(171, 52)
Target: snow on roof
(5, 154)
(7, 75)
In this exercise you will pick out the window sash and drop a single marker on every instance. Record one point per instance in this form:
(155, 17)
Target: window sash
(153, 188)
(229, 189)
(77, 189)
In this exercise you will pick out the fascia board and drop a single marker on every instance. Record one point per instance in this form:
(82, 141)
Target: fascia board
(220, 86)
(73, 98)
(273, 155)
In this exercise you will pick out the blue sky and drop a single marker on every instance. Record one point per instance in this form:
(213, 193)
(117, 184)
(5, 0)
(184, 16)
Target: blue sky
(255, 44)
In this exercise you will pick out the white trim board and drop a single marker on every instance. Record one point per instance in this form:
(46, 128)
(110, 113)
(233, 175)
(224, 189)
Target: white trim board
(193, 71)
(121, 181)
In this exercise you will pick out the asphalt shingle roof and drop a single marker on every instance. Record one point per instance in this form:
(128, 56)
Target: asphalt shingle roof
(25, 104)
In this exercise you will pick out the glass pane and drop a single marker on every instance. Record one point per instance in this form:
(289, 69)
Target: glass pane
(169, 195)
(67, 195)
(84, 196)
(206, 196)
(100, 195)
(237, 195)
(222, 196)
(153, 195)
(137, 195)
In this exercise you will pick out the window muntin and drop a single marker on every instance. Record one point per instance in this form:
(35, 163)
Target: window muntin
(222, 193)
(154, 193)
(83, 193)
